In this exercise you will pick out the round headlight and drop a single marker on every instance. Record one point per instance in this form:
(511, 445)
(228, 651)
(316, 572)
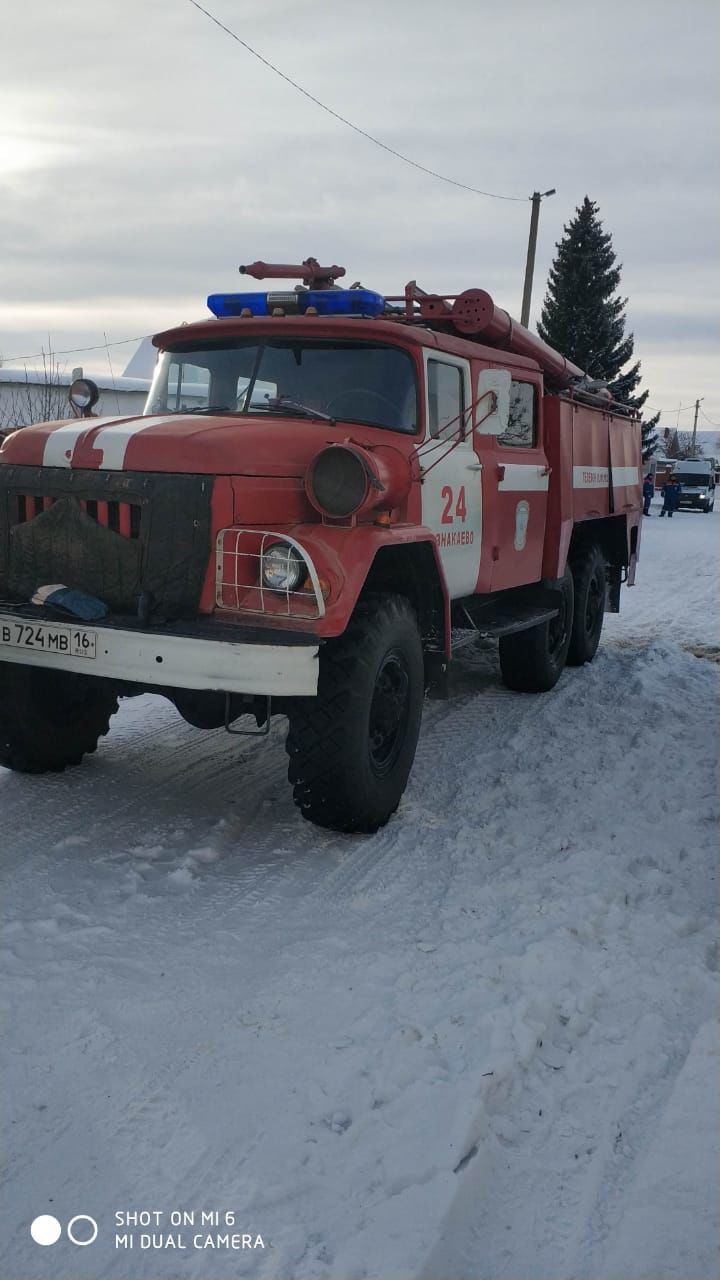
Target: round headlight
(338, 481)
(84, 393)
(282, 568)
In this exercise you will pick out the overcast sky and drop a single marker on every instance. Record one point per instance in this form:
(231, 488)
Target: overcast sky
(144, 155)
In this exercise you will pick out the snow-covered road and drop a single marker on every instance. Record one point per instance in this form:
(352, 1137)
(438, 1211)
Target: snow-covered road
(478, 1044)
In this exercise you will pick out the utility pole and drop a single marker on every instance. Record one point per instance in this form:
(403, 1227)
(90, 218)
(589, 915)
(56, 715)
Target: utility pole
(694, 434)
(536, 197)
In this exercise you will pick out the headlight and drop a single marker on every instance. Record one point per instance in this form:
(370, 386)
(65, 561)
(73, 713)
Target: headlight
(282, 568)
(338, 481)
(351, 480)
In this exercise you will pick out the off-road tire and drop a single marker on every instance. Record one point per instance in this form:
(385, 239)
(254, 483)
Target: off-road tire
(50, 719)
(589, 577)
(348, 765)
(532, 661)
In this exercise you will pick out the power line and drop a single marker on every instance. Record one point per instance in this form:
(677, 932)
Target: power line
(493, 195)
(650, 410)
(112, 371)
(71, 351)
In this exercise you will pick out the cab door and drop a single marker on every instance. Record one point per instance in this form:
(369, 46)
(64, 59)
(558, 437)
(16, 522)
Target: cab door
(451, 472)
(516, 489)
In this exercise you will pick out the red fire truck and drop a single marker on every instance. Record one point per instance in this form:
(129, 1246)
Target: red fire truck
(329, 490)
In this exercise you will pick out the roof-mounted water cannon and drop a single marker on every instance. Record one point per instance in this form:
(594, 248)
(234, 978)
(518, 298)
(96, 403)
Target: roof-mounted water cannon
(310, 272)
(318, 295)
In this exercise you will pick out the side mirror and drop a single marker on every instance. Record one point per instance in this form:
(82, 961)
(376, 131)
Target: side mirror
(83, 395)
(493, 402)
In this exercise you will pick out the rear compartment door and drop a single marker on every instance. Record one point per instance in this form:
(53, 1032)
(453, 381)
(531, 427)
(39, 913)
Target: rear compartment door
(625, 466)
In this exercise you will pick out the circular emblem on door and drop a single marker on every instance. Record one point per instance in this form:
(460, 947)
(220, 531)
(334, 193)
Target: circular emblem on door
(522, 515)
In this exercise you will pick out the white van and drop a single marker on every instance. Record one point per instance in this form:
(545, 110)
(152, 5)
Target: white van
(697, 478)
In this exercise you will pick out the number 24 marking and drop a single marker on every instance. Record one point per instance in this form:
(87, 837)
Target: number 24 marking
(447, 495)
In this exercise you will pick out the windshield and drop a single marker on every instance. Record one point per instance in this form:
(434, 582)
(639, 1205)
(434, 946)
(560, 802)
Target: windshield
(696, 478)
(355, 381)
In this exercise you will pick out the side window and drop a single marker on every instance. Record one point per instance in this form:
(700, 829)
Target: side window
(446, 400)
(521, 419)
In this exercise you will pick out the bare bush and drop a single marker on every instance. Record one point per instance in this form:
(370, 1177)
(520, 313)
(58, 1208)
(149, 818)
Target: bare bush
(30, 400)
(679, 445)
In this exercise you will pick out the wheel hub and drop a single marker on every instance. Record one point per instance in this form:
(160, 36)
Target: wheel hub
(388, 712)
(592, 607)
(558, 628)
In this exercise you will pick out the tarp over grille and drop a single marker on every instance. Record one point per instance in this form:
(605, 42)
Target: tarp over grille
(55, 526)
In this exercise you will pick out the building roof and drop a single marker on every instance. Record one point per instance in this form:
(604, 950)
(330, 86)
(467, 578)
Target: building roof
(63, 378)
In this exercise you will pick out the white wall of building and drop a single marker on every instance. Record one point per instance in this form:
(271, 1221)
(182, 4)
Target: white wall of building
(28, 395)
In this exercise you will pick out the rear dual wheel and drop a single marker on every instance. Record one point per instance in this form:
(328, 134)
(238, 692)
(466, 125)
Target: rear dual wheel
(532, 661)
(589, 578)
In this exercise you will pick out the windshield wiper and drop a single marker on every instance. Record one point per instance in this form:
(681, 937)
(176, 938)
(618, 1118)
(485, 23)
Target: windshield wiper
(207, 408)
(282, 404)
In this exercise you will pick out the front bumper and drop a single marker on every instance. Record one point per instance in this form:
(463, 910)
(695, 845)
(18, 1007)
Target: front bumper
(191, 656)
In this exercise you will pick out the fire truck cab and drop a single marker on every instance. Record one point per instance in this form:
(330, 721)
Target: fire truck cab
(329, 491)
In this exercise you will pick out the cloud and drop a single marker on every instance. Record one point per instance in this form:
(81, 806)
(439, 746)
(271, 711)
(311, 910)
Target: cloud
(144, 154)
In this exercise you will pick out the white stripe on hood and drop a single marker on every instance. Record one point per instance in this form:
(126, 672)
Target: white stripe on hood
(111, 440)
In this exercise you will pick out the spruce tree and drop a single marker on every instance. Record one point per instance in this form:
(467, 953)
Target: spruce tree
(583, 316)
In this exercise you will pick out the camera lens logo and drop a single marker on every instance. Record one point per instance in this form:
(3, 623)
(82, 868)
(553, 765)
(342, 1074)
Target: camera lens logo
(45, 1229)
(82, 1237)
(81, 1230)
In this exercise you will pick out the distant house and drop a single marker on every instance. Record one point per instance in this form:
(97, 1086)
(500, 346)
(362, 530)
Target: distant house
(41, 395)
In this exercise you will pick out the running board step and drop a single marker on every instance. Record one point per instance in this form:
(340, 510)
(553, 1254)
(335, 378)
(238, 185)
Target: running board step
(511, 620)
(463, 637)
(503, 614)
(504, 624)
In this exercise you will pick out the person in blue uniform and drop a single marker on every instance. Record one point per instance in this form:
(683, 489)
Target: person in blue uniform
(648, 493)
(671, 496)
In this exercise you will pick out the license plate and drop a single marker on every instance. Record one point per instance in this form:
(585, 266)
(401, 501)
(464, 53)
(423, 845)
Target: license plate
(47, 637)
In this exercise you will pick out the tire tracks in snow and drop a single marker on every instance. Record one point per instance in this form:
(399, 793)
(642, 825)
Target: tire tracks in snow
(562, 1141)
(565, 1136)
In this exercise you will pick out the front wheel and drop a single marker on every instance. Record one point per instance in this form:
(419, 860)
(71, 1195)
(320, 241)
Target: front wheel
(351, 748)
(50, 719)
(532, 661)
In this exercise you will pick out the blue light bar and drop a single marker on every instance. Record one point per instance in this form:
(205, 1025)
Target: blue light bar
(343, 302)
(327, 302)
(232, 304)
